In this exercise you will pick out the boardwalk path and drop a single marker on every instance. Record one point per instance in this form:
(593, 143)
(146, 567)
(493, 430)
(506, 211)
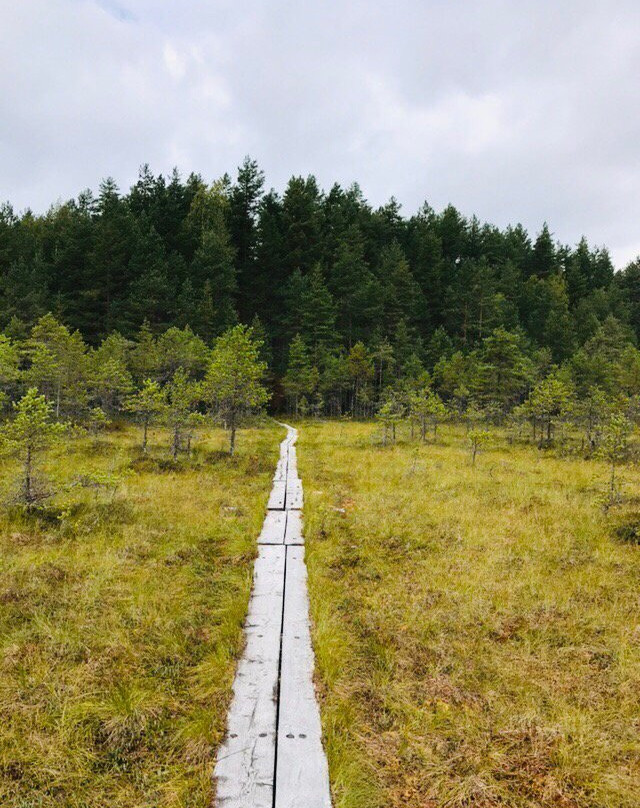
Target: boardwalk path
(272, 756)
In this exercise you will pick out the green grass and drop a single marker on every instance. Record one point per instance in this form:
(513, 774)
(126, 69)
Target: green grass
(120, 622)
(477, 630)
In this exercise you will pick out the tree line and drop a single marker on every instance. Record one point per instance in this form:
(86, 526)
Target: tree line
(348, 302)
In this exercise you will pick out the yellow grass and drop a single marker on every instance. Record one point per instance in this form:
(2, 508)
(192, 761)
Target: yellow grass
(477, 630)
(120, 621)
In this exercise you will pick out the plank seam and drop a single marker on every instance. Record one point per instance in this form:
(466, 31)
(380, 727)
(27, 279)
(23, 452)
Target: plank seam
(275, 757)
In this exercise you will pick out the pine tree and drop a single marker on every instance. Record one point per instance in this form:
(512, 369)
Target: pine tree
(110, 382)
(504, 371)
(180, 348)
(9, 373)
(149, 288)
(426, 407)
(148, 403)
(103, 303)
(182, 394)
(213, 270)
(27, 436)
(402, 295)
(233, 383)
(317, 314)
(543, 260)
(353, 288)
(58, 365)
(144, 359)
(244, 203)
(361, 372)
(550, 401)
(301, 224)
(301, 379)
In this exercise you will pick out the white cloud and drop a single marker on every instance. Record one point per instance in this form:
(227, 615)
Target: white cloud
(516, 112)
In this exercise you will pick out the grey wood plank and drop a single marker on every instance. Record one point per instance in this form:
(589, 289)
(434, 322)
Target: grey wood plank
(302, 777)
(277, 496)
(245, 764)
(293, 533)
(294, 494)
(273, 528)
(281, 469)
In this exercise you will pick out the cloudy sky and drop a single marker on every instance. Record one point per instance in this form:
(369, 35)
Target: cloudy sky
(517, 111)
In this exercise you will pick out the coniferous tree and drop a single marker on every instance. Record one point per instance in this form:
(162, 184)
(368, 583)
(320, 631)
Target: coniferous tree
(317, 314)
(27, 436)
(182, 394)
(148, 403)
(543, 261)
(149, 290)
(233, 382)
(244, 203)
(301, 377)
(213, 272)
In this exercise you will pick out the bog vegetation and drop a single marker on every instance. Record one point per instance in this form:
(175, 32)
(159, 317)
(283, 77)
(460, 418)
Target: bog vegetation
(122, 599)
(475, 623)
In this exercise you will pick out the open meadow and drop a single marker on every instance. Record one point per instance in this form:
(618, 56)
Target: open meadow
(121, 607)
(477, 629)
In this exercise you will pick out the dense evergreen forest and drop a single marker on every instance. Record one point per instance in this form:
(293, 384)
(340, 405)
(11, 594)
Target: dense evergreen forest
(348, 301)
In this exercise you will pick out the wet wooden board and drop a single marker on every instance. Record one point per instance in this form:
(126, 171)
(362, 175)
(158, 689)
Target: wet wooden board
(273, 528)
(293, 533)
(302, 777)
(246, 760)
(277, 496)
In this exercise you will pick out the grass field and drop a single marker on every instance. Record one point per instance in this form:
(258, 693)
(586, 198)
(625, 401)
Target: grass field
(477, 630)
(120, 615)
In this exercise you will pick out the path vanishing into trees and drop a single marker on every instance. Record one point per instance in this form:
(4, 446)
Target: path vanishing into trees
(272, 756)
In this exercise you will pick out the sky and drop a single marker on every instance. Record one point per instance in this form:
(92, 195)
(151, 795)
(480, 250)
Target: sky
(523, 111)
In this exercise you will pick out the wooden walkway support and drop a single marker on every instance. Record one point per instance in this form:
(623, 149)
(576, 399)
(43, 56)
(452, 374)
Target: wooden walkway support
(272, 756)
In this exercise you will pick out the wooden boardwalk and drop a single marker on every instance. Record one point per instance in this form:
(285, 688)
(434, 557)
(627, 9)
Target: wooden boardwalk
(272, 756)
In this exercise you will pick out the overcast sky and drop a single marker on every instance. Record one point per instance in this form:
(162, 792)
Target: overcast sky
(516, 111)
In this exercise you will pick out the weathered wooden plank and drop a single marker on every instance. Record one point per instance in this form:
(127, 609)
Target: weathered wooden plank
(277, 496)
(281, 469)
(302, 778)
(294, 498)
(246, 760)
(273, 528)
(293, 533)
